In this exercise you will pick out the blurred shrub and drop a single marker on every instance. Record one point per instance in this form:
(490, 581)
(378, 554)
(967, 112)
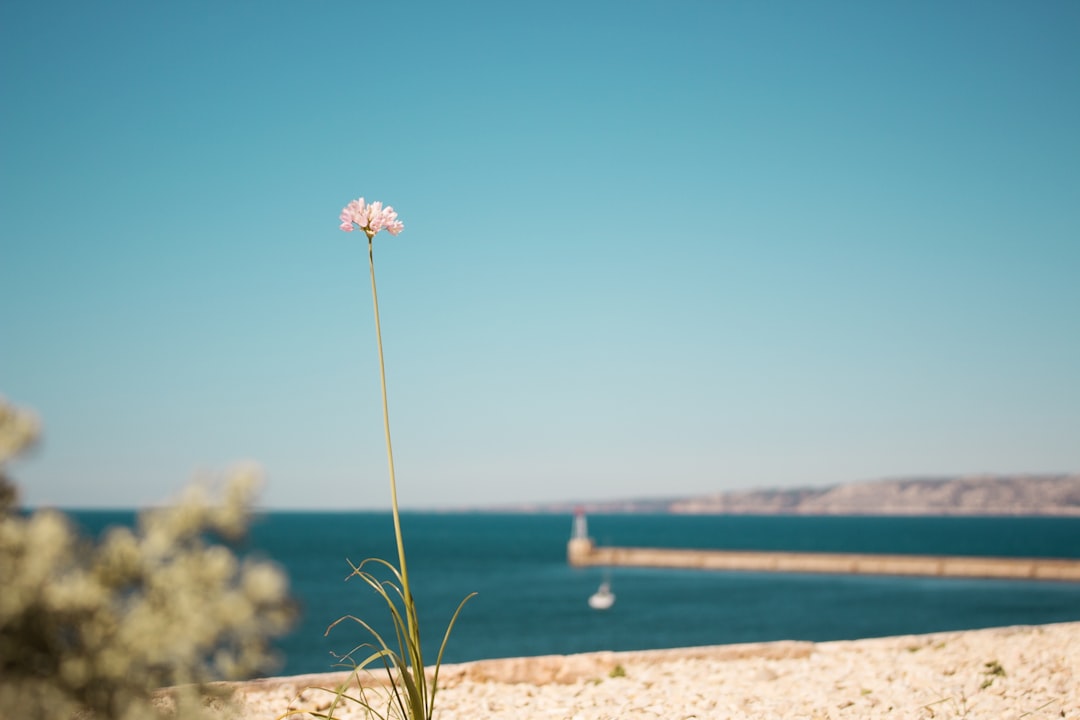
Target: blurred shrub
(93, 630)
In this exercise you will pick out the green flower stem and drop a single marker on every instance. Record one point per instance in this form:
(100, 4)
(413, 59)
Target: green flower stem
(389, 449)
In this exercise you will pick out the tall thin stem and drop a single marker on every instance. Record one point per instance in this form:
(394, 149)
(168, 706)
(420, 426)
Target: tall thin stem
(386, 426)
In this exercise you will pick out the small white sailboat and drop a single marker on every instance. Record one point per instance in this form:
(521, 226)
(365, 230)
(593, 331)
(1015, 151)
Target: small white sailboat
(603, 598)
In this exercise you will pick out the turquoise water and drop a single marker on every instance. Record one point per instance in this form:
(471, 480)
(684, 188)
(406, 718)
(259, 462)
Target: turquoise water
(531, 602)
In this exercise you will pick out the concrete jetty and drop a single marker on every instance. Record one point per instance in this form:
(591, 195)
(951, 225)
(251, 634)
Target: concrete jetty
(582, 552)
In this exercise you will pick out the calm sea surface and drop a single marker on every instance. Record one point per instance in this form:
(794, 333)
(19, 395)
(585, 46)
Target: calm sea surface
(531, 602)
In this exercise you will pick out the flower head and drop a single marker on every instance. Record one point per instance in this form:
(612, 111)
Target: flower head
(370, 217)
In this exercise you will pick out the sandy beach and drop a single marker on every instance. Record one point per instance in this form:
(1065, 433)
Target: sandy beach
(1006, 673)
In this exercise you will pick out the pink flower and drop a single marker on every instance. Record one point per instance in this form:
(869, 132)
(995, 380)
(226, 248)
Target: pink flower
(370, 217)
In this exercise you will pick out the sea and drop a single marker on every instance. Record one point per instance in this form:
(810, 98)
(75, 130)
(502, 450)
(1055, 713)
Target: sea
(529, 601)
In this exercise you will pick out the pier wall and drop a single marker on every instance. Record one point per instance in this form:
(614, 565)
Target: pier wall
(582, 552)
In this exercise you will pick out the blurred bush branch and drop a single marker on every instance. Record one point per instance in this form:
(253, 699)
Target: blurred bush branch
(96, 629)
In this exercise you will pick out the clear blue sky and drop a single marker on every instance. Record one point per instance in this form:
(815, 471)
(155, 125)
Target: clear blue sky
(650, 249)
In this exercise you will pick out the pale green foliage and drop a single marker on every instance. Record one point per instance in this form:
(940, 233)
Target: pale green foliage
(409, 695)
(19, 430)
(97, 629)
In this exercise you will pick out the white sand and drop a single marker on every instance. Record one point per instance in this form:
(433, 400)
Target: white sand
(1009, 673)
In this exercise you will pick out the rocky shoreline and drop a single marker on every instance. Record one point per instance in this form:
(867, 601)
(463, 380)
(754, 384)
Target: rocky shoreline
(1028, 672)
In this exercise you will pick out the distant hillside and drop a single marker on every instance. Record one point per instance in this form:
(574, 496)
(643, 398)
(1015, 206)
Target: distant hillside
(978, 495)
(968, 495)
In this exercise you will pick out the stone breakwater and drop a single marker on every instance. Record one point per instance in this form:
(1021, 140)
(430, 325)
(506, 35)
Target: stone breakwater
(1030, 672)
(582, 552)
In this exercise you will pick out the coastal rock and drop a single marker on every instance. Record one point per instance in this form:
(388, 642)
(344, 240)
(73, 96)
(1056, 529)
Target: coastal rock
(993, 674)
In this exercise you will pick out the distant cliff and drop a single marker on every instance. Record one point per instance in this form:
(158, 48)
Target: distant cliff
(976, 495)
(966, 495)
